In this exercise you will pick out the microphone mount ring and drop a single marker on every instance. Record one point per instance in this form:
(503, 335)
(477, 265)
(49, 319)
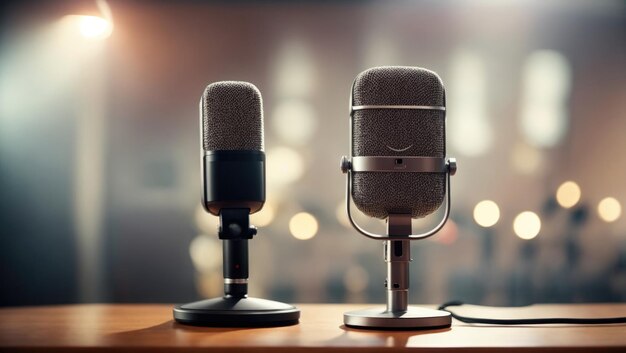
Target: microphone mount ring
(403, 164)
(401, 107)
(450, 169)
(235, 224)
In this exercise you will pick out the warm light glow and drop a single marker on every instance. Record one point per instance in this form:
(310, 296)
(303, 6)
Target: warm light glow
(294, 69)
(486, 213)
(568, 194)
(264, 217)
(206, 253)
(284, 166)
(356, 279)
(471, 133)
(527, 225)
(546, 82)
(303, 226)
(92, 27)
(609, 209)
(294, 121)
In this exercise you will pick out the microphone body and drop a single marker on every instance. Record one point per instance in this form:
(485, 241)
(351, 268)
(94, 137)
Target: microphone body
(233, 161)
(233, 179)
(400, 133)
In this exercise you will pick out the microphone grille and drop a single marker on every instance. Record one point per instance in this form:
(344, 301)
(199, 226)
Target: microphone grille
(398, 132)
(232, 117)
(398, 85)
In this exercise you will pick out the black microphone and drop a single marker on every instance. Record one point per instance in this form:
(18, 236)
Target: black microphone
(233, 187)
(233, 170)
(398, 171)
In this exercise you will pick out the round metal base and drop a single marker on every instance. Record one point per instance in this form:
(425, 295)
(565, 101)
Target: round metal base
(413, 318)
(236, 312)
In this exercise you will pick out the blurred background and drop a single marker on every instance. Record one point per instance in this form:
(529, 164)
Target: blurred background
(99, 180)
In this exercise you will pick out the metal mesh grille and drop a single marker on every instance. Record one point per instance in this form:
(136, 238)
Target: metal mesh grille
(398, 85)
(232, 117)
(380, 132)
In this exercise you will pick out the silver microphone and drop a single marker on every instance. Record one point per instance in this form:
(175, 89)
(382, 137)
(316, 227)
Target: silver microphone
(398, 171)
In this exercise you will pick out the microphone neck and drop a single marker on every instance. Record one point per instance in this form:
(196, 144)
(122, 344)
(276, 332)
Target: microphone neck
(397, 257)
(235, 231)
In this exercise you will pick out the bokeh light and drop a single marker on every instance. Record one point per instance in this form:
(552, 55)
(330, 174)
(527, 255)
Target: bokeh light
(206, 253)
(470, 131)
(568, 194)
(545, 92)
(527, 225)
(294, 70)
(92, 27)
(294, 121)
(303, 226)
(609, 209)
(486, 213)
(284, 166)
(264, 217)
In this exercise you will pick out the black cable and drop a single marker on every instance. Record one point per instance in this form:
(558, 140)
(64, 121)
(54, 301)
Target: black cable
(538, 321)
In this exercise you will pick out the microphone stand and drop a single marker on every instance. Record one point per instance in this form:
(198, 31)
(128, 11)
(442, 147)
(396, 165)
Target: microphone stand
(235, 308)
(398, 314)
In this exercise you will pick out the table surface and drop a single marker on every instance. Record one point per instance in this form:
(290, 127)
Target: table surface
(150, 327)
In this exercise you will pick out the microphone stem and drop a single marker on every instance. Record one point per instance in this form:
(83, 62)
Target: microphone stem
(397, 256)
(235, 267)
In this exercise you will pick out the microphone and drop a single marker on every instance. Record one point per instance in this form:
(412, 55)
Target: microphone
(233, 187)
(398, 171)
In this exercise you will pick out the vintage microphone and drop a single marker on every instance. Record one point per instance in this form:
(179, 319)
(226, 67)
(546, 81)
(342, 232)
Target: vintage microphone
(397, 171)
(233, 187)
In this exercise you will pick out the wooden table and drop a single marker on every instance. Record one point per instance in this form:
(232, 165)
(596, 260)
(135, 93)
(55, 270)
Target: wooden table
(150, 328)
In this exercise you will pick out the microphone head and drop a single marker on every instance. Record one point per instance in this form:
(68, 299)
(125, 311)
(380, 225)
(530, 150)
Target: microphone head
(232, 117)
(398, 132)
(233, 161)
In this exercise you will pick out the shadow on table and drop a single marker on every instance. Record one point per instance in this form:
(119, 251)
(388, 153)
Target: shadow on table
(169, 331)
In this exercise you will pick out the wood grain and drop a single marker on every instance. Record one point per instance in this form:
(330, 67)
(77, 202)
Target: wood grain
(149, 327)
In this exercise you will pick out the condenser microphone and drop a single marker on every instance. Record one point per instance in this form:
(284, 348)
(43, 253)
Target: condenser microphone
(402, 135)
(233, 186)
(233, 161)
(398, 171)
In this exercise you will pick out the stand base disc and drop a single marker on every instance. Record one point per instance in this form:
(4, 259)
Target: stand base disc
(413, 318)
(236, 312)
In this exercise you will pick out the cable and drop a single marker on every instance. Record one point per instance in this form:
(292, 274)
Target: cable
(538, 321)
